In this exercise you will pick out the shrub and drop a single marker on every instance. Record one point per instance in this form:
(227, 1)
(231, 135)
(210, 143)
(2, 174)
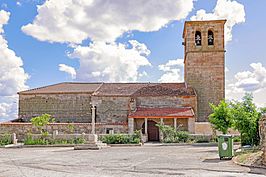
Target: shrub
(45, 141)
(5, 139)
(182, 136)
(170, 135)
(122, 138)
(202, 139)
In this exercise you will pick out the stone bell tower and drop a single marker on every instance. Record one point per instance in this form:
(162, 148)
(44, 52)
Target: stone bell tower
(204, 62)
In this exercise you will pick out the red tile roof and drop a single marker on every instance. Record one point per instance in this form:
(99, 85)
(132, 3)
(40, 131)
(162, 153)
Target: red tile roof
(116, 89)
(65, 87)
(165, 89)
(119, 89)
(182, 112)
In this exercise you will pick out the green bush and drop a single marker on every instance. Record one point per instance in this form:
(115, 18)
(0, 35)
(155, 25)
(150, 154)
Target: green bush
(182, 136)
(30, 141)
(202, 139)
(45, 141)
(170, 135)
(237, 139)
(5, 140)
(122, 138)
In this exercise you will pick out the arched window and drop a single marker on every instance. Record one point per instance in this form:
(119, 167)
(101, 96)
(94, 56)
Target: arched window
(210, 38)
(198, 38)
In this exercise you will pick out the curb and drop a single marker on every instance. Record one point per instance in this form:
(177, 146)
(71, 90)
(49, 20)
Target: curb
(124, 145)
(191, 144)
(54, 145)
(245, 165)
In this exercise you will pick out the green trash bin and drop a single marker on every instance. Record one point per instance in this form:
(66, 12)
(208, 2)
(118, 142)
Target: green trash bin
(225, 146)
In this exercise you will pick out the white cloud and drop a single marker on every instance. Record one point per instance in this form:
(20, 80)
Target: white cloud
(18, 3)
(172, 71)
(249, 81)
(102, 20)
(12, 74)
(68, 69)
(231, 10)
(111, 62)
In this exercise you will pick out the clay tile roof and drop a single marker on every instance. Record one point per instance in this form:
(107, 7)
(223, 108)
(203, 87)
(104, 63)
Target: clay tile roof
(119, 89)
(116, 89)
(165, 89)
(66, 87)
(182, 112)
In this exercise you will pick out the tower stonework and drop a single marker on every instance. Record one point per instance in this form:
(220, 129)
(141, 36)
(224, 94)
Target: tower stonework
(204, 62)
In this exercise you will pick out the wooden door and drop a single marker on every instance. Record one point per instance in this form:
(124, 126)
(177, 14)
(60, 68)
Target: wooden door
(153, 131)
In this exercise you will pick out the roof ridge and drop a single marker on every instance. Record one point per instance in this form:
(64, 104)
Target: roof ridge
(61, 83)
(38, 88)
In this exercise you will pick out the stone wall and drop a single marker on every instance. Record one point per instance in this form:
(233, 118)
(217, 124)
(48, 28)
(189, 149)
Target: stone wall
(21, 129)
(168, 101)
(262, 130)
(63, 107)
(111, 109)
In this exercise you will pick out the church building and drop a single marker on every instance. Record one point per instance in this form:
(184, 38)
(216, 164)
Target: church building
(140, 106)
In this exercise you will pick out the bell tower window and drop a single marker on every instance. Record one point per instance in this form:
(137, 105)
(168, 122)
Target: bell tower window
(210, 38)
(198, 38)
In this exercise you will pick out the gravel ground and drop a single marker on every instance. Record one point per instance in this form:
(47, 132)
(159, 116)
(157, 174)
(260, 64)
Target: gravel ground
(149, 160)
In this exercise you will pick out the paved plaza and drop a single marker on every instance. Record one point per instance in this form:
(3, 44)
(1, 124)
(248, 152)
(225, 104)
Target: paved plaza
(149, 160)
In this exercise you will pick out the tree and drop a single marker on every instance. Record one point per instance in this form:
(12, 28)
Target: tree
(221, 118)
(41, 121)
(263, 110)
(246, 117)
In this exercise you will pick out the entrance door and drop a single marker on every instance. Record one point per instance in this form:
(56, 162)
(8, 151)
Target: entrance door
(153, 131)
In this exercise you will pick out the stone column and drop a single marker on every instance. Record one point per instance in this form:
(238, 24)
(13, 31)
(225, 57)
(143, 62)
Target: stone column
(175, 123)
(130, 126)
(160, 132)
(93, 116)
(191, 125)
(161, 120)
(146, 126)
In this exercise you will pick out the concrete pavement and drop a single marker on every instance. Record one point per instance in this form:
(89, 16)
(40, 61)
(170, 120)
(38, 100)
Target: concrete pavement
(149, 160)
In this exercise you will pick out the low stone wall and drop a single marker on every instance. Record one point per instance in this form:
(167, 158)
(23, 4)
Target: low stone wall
(22, 129)
(203, 128)
(262, 129)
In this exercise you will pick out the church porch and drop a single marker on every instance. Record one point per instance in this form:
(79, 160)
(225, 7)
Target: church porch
(145, 119)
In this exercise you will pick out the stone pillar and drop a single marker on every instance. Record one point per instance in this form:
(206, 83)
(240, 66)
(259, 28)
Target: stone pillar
(130, 126)
(175, 123)
(146, 126)
(191, 125)
(14, 138)
(161, 121)
(160, 133)
(93, 116)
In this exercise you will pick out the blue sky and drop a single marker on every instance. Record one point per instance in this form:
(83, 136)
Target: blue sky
(127, 41)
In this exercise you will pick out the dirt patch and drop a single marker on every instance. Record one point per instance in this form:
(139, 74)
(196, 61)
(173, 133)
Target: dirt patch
(250, 159)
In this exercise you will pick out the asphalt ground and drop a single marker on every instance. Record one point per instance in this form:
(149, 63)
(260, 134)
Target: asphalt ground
(148, 160)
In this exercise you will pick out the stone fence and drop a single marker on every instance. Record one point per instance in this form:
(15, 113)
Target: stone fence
(22, 129)
(262, 129)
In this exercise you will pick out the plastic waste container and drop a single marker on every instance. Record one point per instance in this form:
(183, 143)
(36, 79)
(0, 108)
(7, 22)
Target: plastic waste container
(225, 146)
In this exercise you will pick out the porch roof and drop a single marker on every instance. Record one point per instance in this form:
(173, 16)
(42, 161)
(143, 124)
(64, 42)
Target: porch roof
(182, 112)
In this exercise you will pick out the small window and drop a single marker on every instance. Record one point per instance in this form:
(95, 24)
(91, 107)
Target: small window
(210, 38)
(109, 131)
(198, 38)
